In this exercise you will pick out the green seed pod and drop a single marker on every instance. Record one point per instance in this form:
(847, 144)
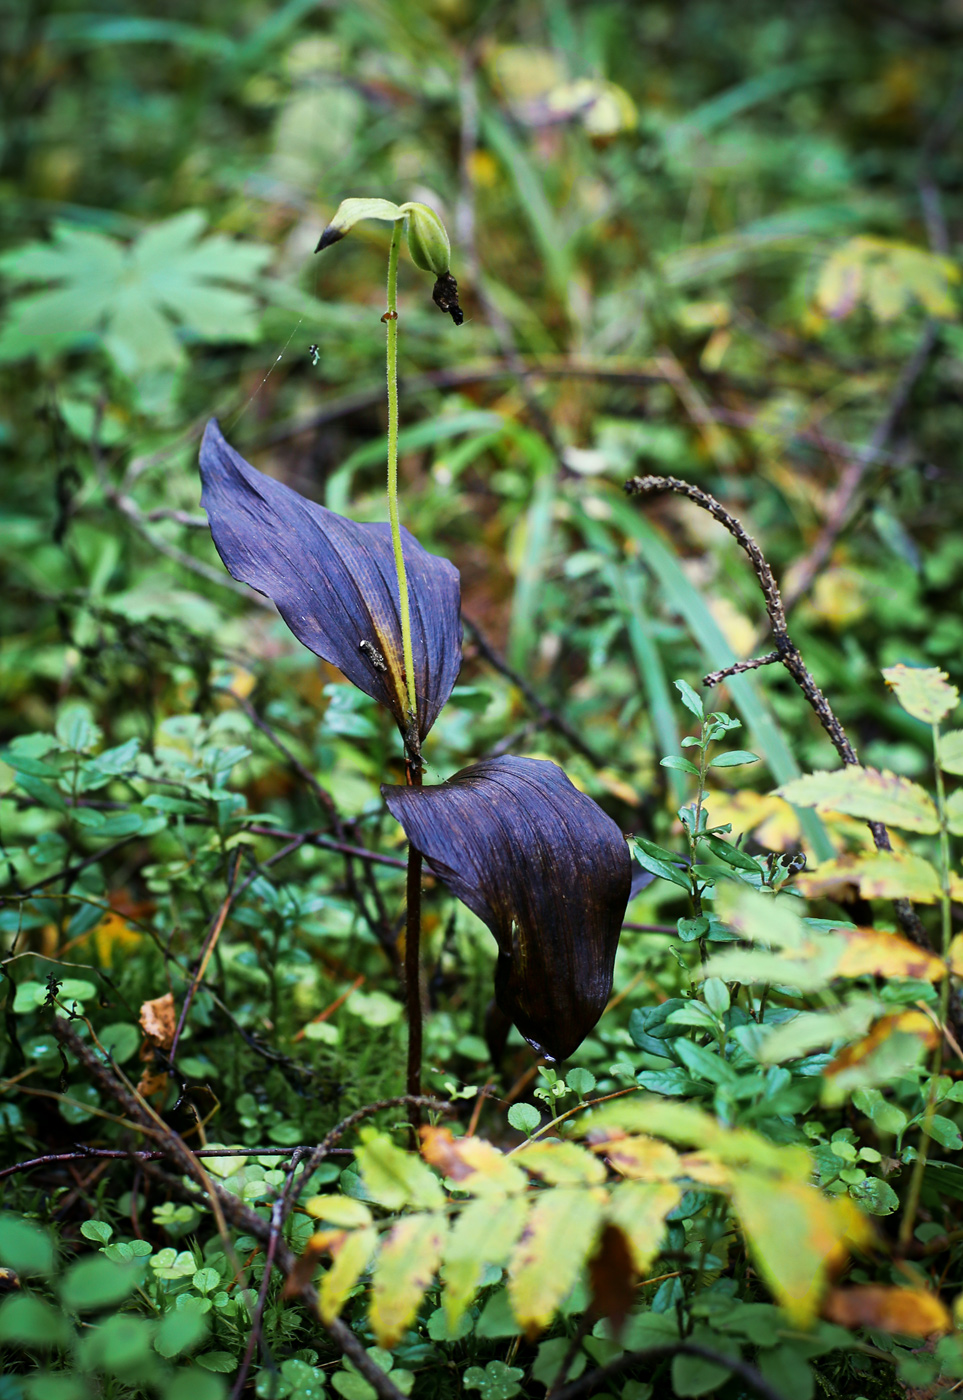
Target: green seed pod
(427, 240)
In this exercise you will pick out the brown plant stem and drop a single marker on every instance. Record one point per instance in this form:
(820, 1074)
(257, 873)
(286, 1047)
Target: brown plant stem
(413, 960)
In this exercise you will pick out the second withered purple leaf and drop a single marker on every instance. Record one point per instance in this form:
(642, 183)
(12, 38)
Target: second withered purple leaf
(333, 581)
(549, 873)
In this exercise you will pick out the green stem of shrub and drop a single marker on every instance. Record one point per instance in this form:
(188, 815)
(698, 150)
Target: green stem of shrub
(404, 605)
(919, 1166)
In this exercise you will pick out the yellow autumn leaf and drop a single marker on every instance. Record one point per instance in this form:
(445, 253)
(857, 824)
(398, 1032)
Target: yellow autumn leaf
(877, 875)
(352, 1251)
(560, 1234)
(344, 1211)
(797, 1237)
(867, 793)
(923, 691)
(560, 1163)
(403, 1271)
(484, 1233)
(770, 819)
(895, 1044)
(870, 952)
(639, 1210)
(643, 1158)
(838, 597)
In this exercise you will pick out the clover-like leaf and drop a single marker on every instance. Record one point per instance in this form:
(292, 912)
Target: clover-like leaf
(549, 873)
(334, 582)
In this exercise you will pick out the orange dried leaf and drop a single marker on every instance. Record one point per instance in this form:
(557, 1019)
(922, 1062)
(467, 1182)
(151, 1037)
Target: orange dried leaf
(912, 1312)
(158, 1021)
(476, 1165)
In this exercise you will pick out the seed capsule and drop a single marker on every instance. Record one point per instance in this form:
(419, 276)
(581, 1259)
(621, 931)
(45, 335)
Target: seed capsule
(427, 240)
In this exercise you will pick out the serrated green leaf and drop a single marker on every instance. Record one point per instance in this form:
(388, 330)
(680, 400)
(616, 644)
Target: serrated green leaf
(395, 1178)
(404, 1270)
(350, 1261)
(867, 793)
(923, 691)
(558, 1239)
(950, 751)
(484, 1233)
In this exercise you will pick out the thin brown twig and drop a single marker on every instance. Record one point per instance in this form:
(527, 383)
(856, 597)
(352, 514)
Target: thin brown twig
(743, 1369)
(547, 716)
(785, 651)
(207, 950)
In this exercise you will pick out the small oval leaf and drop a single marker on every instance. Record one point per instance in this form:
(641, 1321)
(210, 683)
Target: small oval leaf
(549, 873)
(334, 583)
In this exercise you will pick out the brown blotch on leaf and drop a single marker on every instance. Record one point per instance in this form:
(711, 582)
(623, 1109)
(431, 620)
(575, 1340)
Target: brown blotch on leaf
(612, 1278)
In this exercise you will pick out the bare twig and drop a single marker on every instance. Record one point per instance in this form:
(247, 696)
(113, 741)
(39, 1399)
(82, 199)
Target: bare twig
(547, 716)
(82, 1154)
(785, 652)
(210, 943)
(592, 1379)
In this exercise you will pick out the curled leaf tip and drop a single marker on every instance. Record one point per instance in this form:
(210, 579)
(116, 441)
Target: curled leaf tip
(329, 236)
(334, 583)
(549, 873)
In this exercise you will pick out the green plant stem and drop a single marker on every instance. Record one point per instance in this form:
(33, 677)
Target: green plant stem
(919, 1166)
(391, 320)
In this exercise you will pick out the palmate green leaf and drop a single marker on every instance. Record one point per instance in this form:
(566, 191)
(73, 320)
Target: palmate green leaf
(923, 691)
(404, 1269)
(143, 299)
(867, 793)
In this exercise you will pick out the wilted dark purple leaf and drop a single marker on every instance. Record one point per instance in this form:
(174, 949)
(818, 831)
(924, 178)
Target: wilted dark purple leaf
(334, 582)
(546, 870)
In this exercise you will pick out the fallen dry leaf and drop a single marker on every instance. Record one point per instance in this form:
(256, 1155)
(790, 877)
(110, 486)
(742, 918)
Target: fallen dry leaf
(908, 1311)
(157, 1020)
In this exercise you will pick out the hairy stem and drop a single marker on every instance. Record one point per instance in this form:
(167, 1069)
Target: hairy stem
(391, 320)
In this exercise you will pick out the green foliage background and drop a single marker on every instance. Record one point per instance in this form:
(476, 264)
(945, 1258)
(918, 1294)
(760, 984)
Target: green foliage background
(735, 264)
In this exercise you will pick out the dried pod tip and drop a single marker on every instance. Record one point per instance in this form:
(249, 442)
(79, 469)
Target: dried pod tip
(427, 239)
(445, 296)
(329, 236)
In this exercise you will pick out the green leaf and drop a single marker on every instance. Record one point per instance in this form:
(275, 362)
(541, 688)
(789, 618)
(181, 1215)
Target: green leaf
(944, 1131)
(690, 698)
(183, 1328)
(25, 1247)
(923, 692)
(875, 1196)
(525, 1117)
(403, 1272)
(954, 812)
(788, 1372)
(143, 299)
(950, 751)
(661, 868)
(97, 1230)
(681, 765)
(735, 758)
(498, 1381)
(351, 211)
(28, 1321)
(867, 793)
(97, 1282)
(395, 1178)
(693, 1375)
(549, 1358)
(731, 854)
